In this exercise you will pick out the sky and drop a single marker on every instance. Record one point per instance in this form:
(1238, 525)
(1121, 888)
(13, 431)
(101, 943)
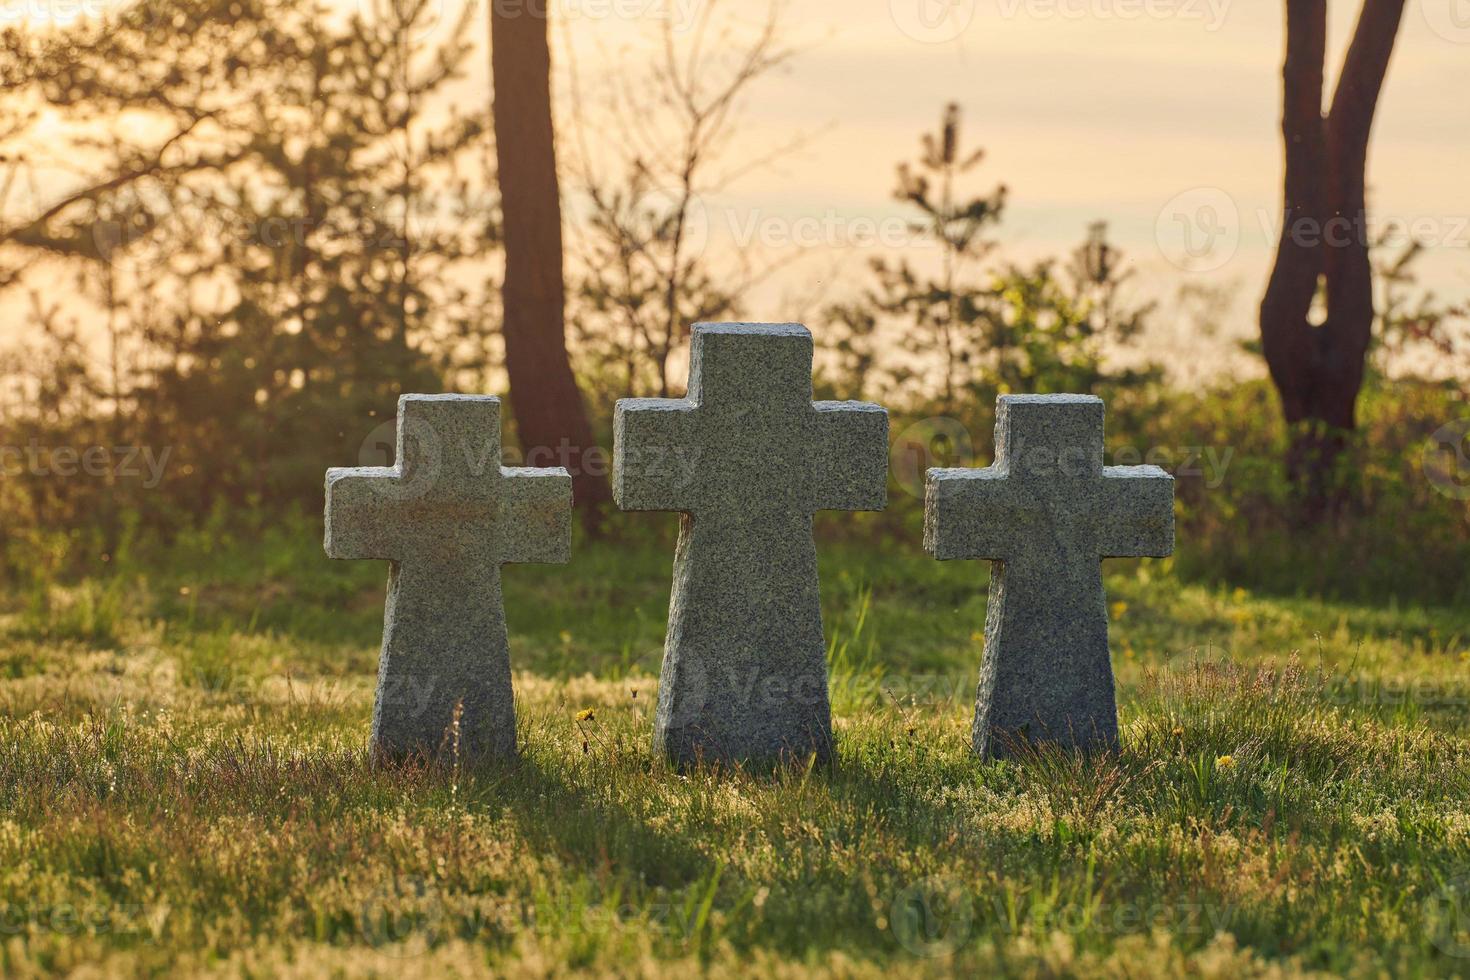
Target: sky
(1160, 117)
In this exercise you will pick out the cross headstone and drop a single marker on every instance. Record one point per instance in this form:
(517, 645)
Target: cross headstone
(1046, 514)
(447, 516)
(747, 458)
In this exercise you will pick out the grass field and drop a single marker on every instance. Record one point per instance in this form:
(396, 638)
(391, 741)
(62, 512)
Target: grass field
(183, 785)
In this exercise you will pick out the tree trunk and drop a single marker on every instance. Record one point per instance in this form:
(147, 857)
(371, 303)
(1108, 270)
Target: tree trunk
(1323, 249)
(550, 416)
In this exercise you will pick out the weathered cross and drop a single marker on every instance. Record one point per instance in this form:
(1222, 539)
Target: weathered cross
(1047, 513)
(447, 516)
(747, 458)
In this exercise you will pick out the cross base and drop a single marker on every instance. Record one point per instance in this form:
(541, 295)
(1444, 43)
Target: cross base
(745, 664)
(450, 700)
(1047, 676)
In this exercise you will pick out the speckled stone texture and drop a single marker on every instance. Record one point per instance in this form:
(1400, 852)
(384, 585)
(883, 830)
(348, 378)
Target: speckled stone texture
(1046, 514)
(747, 458)
(447, 516)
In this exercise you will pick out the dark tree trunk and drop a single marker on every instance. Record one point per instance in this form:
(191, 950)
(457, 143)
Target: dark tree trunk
(549, 412)
(1318, 368)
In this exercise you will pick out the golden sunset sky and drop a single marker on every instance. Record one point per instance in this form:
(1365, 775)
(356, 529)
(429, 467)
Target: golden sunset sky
(1159, 117)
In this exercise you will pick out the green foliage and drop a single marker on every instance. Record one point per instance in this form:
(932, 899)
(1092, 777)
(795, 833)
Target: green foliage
(984, 327)
(1401, 537)
(272, 269)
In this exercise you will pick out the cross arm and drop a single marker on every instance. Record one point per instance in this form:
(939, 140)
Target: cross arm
(535, 522)
(654, 453)
(850, 461)
(360, 518)
(967, 513)
(1136, 517)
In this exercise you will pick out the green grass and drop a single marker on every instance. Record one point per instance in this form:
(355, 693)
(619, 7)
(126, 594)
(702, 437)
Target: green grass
(184, 786)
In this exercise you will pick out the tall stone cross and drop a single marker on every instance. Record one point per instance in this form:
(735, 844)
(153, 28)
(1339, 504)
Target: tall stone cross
(447, 516)
(1046, 514)
(747, 458)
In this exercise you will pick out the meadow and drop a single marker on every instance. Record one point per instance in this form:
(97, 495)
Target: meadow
(184, 786)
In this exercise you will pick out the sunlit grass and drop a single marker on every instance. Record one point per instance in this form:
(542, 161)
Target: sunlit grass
(189, 789)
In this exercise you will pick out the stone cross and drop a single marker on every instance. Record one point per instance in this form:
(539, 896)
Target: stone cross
(747, 458)
(447, 516)
(1046, 514)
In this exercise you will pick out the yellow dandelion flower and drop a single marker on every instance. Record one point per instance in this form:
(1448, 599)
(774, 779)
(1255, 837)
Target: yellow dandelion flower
(1225, 763)
(587, 714)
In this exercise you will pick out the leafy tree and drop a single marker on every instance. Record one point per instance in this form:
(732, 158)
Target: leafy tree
(984, 327)
(944, 312)
(253, 213)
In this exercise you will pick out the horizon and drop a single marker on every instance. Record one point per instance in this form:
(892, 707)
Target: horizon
(1042, 85)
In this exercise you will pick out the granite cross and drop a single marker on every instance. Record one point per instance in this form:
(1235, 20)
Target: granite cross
(447, 516)
(747, 458)
(1046, 514)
